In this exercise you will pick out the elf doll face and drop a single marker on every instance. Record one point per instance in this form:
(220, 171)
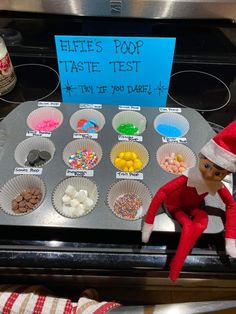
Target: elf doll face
(210, 171)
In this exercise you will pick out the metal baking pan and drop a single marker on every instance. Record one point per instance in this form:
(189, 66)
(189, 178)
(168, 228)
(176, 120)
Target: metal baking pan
(104, 174)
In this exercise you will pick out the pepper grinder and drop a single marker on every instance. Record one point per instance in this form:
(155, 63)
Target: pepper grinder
(7, 73)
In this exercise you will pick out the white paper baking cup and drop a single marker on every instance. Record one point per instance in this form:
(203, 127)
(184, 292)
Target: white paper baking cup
(167, 149)
(17, 185)
(173, 120)
(82, 144)
(39, 143)
(79, 184)
(45, 113)
(138, 148)
(129, 186)
(88, 114)
(133, 117)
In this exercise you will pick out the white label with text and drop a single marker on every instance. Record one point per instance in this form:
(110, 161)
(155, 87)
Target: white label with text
(137, 108)
(129, 175)
(85, 135)
(134, 138)
(49, 104)
(174, 140)
(164, 109)
(37, 171)
(38, 133)
(79, 173)
(93, 106)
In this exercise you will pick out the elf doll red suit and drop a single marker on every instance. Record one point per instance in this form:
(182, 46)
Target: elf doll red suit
(183, 196)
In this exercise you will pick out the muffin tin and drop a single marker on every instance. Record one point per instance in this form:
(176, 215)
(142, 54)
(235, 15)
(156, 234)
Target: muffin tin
(105, 175)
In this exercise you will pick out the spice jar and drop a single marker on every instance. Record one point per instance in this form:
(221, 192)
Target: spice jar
(7, 73)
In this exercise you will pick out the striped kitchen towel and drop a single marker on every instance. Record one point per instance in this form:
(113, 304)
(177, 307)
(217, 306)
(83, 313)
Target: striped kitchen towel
(21, 299)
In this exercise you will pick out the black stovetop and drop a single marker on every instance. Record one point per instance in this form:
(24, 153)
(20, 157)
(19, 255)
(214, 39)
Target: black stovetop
(201, 79)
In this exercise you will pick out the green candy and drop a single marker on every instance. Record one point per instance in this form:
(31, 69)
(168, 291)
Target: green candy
(128, 129)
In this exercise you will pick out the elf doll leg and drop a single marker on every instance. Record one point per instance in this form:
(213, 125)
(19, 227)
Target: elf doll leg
(191, 231)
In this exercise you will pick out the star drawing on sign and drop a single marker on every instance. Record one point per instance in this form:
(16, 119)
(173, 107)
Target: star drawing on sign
(69, 88)
(160, 88)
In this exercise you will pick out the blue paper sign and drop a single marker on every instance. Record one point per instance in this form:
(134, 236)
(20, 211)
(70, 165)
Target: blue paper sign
(115, 70)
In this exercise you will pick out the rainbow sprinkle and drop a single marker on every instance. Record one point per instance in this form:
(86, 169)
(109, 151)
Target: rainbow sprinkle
(83, 159)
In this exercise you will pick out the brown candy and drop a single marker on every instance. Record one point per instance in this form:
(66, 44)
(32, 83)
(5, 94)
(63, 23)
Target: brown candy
(27, 197)
(19, 198)
(14, 205)
(33, 201)
(26, 200)
(22, 204)
(36, 192)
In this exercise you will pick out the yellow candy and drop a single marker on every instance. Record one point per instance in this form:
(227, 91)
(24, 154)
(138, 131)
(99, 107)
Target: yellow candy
(179, 157)
(121, 155)
(128, 156)
(131, 169)
(134, 156)
(117, 162)
(129, 163)
(137, 164)
(120, 163)
(126, 169)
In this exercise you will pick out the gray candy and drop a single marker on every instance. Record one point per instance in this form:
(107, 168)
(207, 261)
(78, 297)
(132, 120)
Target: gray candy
(37, 158)
(44, 155)
(33, 157)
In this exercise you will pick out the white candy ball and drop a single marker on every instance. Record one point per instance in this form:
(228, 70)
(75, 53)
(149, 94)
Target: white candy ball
(66, 209)
(80, 210)
(70, 190)
(81, 196)
(89, 202)
(74, 202)
(66, 199)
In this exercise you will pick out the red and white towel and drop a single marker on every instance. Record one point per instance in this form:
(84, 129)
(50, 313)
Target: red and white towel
(32, 300)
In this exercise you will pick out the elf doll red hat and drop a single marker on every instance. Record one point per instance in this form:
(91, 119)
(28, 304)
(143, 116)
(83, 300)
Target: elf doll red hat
(221, 149)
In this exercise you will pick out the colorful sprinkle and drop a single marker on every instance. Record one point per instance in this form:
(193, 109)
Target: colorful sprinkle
(127, 205)
(83, 159)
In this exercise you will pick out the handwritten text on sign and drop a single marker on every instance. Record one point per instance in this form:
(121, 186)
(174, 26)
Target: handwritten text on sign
(115, 70)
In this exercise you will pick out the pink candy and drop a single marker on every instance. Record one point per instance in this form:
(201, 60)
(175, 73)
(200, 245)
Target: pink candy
(46, 125)
(171, 164)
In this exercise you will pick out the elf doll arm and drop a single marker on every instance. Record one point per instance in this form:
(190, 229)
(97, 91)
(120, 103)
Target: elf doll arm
(161, 195)
(230, 225)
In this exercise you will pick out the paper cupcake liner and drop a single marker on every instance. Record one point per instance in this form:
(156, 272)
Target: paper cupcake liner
(88, 114)
(129, 186)
(82, 144)
(38, 143)
(14, 187)
(138, 148)
(79, 184)
(169, 148)
(44, 113)
(133, 117)
(173, 120)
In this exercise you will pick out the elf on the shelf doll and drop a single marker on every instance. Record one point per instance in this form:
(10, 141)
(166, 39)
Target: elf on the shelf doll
(184, 195)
